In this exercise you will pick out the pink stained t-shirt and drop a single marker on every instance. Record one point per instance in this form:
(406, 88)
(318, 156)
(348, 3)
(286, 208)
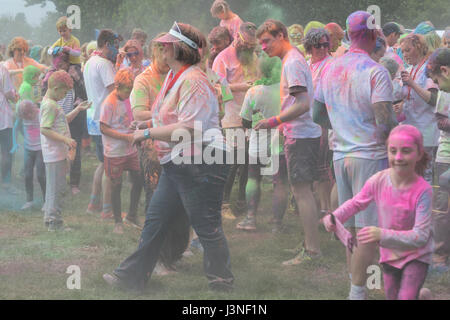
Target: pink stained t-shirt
(404, 216)
(349, 87)
(191, 101)
(228, 67)
(317, 67)
(232, 25)
(117, 115)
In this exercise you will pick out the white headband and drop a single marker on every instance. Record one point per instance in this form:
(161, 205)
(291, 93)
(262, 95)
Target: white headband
(183, 38)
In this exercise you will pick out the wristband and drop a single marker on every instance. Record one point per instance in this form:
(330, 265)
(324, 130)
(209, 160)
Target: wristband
(147, 134)
(274, 121)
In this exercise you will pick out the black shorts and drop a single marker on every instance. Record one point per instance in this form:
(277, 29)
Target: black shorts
(302, 156)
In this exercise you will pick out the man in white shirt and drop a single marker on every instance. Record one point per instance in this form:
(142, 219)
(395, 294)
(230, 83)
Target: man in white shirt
(98, 76)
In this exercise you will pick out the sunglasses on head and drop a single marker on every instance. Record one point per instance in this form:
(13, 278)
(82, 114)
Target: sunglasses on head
(130, 54)
(322, 45)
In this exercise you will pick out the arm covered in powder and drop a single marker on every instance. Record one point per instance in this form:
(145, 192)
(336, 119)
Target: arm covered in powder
(358, 203)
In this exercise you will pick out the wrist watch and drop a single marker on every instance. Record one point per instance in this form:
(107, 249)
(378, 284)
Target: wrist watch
(147, 134)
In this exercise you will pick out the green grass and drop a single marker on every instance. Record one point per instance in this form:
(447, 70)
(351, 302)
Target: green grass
(33, 261)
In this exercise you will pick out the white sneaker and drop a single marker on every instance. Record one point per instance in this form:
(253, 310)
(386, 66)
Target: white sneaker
(27, 205)
(43, 208)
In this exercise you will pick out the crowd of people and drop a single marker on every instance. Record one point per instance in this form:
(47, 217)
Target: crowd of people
(361, 123)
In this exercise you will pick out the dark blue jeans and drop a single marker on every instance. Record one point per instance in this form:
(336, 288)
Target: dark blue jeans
(197, 190)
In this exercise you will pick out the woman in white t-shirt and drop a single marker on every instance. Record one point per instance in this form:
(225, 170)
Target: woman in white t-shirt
(187, 105)
(420, 95)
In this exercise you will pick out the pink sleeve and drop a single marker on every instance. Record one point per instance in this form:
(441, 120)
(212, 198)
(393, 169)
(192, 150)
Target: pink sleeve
(421, 232)
(219, 68)
(358, 203)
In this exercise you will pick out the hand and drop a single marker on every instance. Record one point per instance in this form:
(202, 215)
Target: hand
(139, 125)
(398, 108)
(130, 138)
(406, 78)
(66, 49)
(84, 105)
(369, 234)
(138, 137)
(263, 124)
(70, 143)
(328, 223)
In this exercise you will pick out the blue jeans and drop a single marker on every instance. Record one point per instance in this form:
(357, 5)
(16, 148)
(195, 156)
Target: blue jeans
(197, 190)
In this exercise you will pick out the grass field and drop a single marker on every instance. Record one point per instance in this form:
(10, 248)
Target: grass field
(33, 261)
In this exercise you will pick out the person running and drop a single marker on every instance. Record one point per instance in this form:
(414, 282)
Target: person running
(403, 203)
(185, 100)
(302, 135)
(359, 149)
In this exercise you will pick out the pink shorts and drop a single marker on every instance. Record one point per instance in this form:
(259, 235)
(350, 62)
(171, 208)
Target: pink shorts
(114, 167)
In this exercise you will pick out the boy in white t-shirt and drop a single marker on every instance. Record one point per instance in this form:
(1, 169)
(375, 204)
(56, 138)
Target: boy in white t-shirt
(56, 142)
(119, 152)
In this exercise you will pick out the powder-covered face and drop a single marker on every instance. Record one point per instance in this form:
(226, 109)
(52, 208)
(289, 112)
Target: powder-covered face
(124, 92)
(442, 79)
(403, 153)
(270, 44)
(133, 55)
(411, 53)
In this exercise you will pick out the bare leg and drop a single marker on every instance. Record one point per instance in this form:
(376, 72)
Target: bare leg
(308, 212)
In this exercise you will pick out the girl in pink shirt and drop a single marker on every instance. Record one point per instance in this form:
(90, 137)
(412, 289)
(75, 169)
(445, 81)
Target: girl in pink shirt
(403, 200)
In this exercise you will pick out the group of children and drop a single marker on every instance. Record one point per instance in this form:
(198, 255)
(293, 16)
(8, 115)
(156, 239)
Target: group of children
(402, 196)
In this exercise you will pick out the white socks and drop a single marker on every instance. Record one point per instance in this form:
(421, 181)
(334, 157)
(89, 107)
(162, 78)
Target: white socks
(357, 292)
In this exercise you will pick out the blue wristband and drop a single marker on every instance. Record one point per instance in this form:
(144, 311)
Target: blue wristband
(147, 134)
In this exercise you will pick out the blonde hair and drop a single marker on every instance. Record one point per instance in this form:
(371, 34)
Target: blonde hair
(417, 41)
(62, 22)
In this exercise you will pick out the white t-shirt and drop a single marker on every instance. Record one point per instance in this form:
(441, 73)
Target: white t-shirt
(296, 73)
(98, 75)
(192, 100)
(261, 102)
(419, 113)
(6, 111)
(348, 87)
(52, 117)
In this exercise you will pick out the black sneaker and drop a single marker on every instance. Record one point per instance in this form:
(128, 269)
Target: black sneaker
(220, 286)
